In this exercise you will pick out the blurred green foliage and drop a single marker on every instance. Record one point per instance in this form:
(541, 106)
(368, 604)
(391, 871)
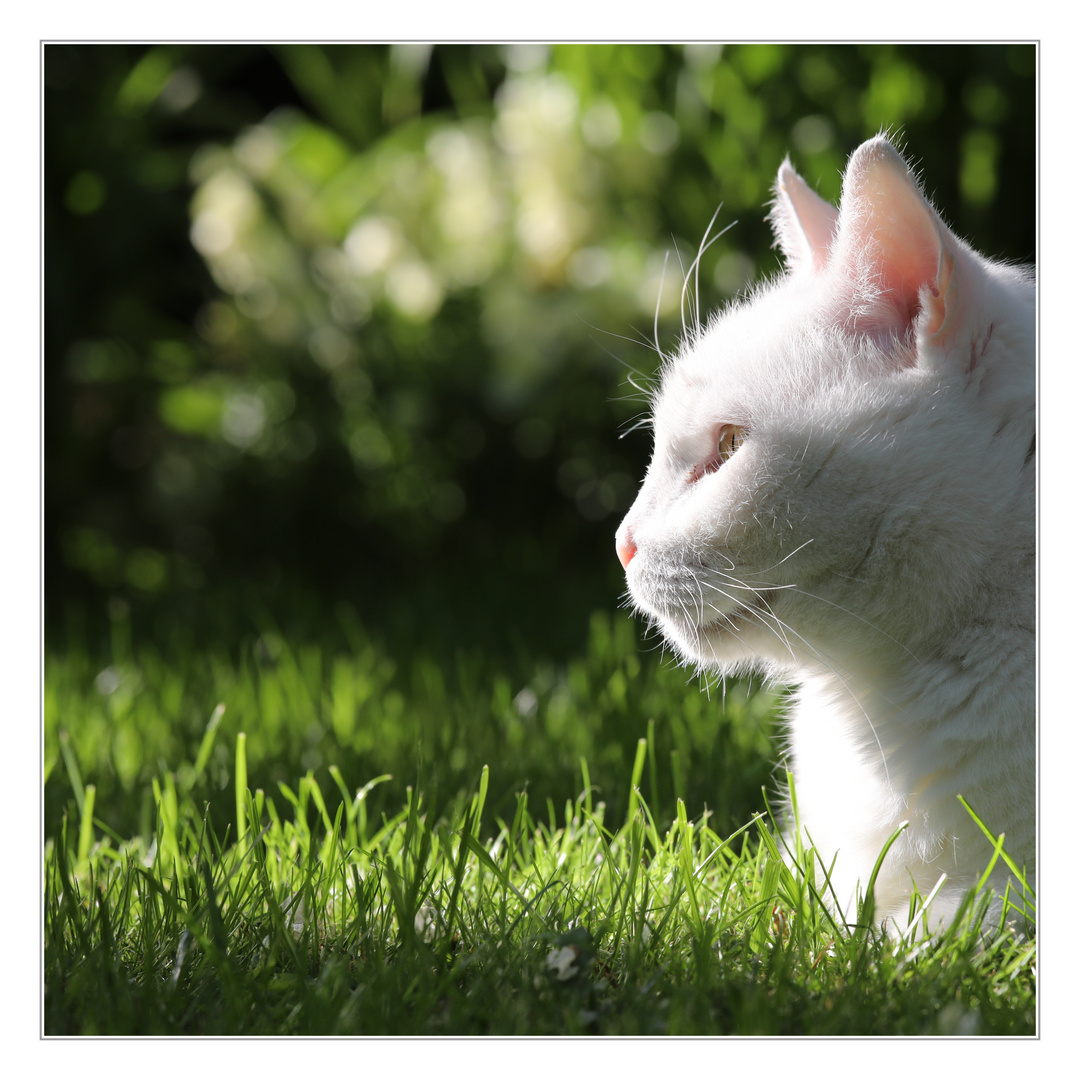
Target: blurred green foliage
(358, 320)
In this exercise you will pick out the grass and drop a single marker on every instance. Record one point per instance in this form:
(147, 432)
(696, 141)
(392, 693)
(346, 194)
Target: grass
(194, 885)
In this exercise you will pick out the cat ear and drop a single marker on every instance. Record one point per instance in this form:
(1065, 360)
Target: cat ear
(898, 257)
(802, 221)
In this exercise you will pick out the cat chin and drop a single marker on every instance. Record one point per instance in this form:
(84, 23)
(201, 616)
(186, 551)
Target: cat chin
(738, 640)
(745, 620)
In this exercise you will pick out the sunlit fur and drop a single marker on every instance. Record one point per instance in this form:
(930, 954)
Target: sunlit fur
(871, 541)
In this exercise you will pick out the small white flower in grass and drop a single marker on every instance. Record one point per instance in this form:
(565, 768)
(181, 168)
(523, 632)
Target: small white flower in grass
(294, 912)
(298, 916)
(425, 923)
(563, 961)
(573, 952)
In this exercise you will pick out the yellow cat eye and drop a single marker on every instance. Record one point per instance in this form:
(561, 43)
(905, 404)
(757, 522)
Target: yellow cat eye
(728, 440)
(729, 437)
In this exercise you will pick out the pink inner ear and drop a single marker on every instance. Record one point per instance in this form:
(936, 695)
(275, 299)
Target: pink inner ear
(803, 222)
(890, 243)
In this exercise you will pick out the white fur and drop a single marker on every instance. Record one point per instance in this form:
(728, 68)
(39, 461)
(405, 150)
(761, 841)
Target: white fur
(878, 518)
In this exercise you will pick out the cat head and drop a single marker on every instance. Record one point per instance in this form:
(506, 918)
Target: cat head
(817, 445)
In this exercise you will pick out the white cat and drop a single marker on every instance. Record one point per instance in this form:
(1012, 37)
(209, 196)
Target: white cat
(842, 494)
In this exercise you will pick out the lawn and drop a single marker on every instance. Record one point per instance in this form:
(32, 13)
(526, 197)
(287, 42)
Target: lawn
(335, 835)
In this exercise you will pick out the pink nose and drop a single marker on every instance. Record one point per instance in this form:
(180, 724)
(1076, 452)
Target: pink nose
(625, 548)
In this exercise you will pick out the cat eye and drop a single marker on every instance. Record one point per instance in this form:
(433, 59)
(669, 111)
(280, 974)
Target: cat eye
(728, 440)
(729, 437)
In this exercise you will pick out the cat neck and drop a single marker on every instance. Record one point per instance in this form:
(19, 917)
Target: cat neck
(904, 714)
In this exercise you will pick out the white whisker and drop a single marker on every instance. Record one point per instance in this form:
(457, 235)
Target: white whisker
(694, 267)
(656, 313)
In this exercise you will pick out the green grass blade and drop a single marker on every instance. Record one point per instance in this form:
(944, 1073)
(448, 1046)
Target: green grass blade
(207, 745)
(241, 787)
(86, 829)
(72, 768)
